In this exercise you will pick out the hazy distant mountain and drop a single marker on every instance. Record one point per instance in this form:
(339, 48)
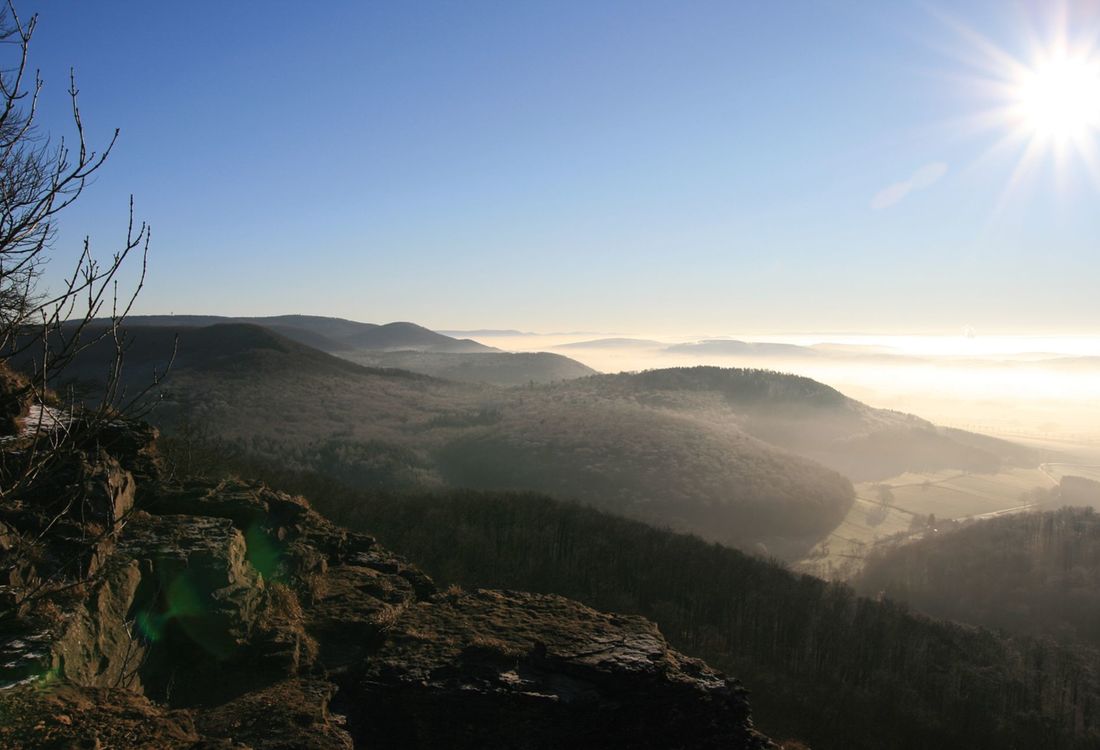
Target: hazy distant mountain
(612, 343)
(733, 455)
(215, 350)
(811, 419)
(487, 332)
(396, 345)
(389, 428)
(1083, 363)
(330, 334)
(730, 347)
(498, 368)
(859, 349)
(409, 337)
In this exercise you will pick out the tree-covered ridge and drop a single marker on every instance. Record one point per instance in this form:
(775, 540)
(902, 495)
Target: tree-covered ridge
(737, 385)
(743, 457)
(805, 417)
(824, 665)
(300, 407)
(1036, 573)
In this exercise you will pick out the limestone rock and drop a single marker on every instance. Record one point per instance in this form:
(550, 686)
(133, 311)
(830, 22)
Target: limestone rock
(226, 615)
(518, 670)
(67, 716)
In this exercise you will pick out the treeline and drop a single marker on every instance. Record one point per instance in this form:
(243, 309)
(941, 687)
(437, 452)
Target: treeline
(1036, 573)
(824, 665)
(737, 385)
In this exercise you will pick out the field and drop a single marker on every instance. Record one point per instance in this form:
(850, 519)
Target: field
(905, 504)
(1058, 470)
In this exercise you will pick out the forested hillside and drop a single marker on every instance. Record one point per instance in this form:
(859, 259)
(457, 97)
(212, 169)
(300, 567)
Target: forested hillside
(808, 418)
(383, 428)
(1033, 573)
(824, 665)
(498, 368)
(744, 457)
(334, 335)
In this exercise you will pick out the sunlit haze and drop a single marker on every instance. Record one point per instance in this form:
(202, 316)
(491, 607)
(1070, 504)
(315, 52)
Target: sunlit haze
(615, 166)
(527, 374)
(916, 178)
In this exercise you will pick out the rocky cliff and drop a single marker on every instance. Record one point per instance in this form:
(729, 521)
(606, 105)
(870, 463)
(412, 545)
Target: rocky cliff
(140, 612)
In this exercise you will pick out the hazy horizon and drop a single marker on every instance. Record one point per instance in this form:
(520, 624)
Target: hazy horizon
(1030, 387)
(693, 169)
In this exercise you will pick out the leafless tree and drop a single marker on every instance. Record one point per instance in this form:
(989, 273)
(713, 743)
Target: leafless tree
(43, 330)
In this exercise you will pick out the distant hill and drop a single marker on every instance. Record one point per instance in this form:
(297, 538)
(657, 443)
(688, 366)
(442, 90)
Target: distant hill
(226, 351)
(810, 419)
(498, 368)
(487, 332)
(405, 346)
(409, 336)
(390, 428)
(746, 457)
(613, 343)
(334, 335)
(728, 347)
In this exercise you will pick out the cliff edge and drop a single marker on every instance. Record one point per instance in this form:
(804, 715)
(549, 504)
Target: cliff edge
(138, 612)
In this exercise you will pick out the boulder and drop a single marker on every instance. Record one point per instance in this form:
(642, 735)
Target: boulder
(519, 670)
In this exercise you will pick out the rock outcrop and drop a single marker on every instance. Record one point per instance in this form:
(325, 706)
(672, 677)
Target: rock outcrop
(139, 613)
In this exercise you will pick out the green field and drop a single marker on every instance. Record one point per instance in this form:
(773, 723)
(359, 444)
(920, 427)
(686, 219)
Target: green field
(899, 506)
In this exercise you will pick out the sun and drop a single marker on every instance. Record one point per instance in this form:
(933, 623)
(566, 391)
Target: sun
(1044, 104)
(1059, 98)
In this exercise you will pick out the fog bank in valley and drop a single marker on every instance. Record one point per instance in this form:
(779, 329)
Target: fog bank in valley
(1027, 387)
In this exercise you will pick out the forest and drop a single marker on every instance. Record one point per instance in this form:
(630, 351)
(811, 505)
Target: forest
(746, 457)
(1035, 573)
(823, 664)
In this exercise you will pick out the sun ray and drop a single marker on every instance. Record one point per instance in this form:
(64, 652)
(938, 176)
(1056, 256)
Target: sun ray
(1046, 104)
(1028, 161)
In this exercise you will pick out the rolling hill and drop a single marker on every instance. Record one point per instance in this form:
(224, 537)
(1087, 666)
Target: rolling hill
(730, 347)
(405, 346)
(737, 456)
(329, 334)
(377, 427)
(497, 368)
(805, 417)
(612, 343)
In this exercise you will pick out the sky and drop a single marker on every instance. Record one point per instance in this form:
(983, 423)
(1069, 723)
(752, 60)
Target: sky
(702, 168)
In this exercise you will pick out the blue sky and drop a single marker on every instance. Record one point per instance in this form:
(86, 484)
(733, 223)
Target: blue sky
(702, 167)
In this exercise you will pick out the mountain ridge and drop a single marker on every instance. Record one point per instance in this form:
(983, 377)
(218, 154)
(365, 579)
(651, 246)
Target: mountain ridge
(744, 457)
(329, 334)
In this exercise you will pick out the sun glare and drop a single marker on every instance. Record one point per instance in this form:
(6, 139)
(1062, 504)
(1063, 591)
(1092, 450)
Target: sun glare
(1045, 104)
(1059, 99)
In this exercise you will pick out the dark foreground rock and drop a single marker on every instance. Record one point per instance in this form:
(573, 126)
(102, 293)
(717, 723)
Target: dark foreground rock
(230, 616)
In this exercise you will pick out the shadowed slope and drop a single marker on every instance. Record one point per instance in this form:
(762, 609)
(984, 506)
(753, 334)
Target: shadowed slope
(329, 334)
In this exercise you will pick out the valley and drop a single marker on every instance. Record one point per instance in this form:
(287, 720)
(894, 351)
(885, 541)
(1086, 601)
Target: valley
(912, 505)
(541, 375)
(752, 458)
(579, 484)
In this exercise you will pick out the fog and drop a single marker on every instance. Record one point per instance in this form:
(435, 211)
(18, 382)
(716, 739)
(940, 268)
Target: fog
(1034, 388)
